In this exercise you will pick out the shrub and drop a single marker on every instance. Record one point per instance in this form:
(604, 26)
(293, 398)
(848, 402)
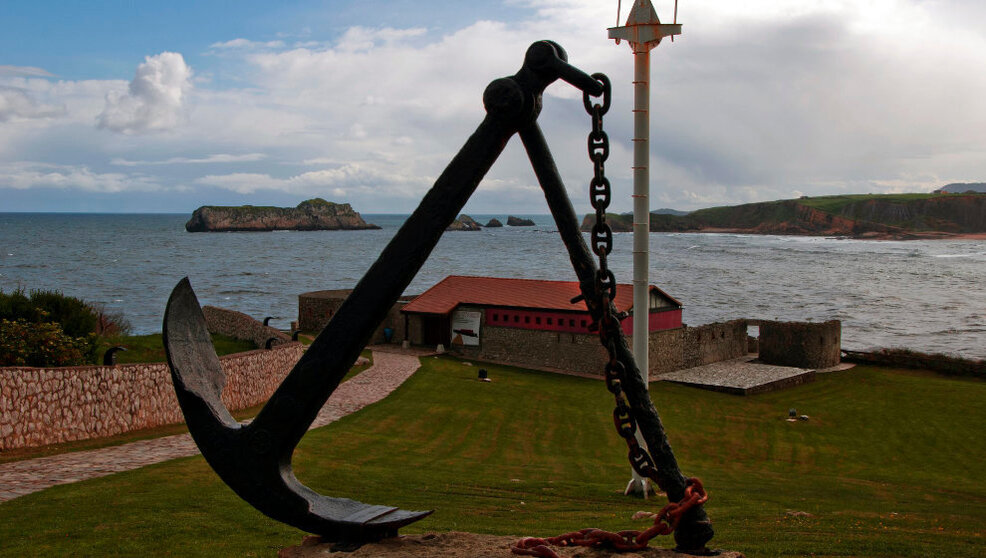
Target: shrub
(75, 316)
(23, 343)
(110, 324)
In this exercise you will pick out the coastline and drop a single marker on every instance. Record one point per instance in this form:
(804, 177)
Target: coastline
(923, 235)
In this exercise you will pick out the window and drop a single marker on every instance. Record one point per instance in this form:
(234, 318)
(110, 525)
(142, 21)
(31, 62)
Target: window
(527, 319)
(537, 320)
(550, 322)
(583, 323)
(571, 323)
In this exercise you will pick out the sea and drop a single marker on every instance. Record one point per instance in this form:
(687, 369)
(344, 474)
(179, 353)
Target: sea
(926, 295)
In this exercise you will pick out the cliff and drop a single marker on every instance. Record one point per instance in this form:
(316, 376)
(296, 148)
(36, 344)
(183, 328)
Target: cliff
(310, 215)
(891, 216)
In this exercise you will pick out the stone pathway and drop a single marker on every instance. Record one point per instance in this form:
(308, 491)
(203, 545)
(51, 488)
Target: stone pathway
(743, 376)
(18, 478)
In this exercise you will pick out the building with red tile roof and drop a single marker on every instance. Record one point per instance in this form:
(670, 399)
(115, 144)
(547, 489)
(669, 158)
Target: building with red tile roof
(457, 308)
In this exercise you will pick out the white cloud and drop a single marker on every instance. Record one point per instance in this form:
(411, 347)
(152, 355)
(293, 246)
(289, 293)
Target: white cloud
(216, 158)
(349, 178)
(26, 175)
(26, 71)
(19, 103)
(245, 44)
(154, 100)
(756, 100)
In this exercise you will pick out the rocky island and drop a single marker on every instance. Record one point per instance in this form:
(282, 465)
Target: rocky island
(518, 222)
(464, 223)
(310, 215)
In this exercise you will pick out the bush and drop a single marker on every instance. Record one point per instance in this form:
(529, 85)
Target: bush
(76, 317)
(49, 328)
(43, 344)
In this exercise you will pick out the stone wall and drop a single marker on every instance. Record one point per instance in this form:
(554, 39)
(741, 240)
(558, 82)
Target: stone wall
(315, 309)
(713, 343)
(40, 406)
(575, 352)
(669, 350)
(687, 347)
(241, 326)
(801, 344)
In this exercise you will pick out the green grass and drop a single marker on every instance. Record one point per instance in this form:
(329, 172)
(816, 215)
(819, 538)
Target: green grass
(150, 348)
(834, 204)
(888, 465)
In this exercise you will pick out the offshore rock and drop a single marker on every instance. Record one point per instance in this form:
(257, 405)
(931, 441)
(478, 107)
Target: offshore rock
(310, 215)
(464, 223)
(518, 222)
(493, 223)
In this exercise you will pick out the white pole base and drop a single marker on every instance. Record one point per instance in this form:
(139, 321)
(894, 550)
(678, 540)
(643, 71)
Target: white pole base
(639, 487)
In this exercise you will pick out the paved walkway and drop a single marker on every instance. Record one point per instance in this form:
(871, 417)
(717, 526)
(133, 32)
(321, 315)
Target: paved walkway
(18, 478)
(744, 376)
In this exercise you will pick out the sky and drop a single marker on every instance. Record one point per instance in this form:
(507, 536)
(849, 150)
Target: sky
(122, 106)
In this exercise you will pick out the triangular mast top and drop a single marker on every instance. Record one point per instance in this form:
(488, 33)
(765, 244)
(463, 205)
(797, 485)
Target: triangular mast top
(643, 26)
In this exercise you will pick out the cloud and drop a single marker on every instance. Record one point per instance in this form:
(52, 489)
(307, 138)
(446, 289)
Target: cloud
(216, 158)
(340, 181)
(154, 100)
(26, 71)
(366, 38)
(26, 175)
(18, 103)
(757, 100)
(245, 44)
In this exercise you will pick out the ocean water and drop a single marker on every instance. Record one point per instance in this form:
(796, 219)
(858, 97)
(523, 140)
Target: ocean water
(925, 295)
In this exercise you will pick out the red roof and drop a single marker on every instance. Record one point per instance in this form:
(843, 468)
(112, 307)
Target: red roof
(511, 293)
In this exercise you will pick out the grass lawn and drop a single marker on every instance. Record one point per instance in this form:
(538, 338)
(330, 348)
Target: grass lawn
(887, 466)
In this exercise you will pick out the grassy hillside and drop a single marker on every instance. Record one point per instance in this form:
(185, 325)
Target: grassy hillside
(876, 215)
(835, 204)
(888, 465)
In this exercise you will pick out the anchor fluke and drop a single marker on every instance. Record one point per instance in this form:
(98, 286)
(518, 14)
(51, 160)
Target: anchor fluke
(247, 458)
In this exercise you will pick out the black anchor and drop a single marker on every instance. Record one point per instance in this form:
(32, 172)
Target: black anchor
(255, 459)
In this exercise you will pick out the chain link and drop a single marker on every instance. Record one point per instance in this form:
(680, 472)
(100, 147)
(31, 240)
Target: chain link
(601, 242)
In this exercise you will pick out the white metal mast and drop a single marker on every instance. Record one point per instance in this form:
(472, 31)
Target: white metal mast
(644, 31)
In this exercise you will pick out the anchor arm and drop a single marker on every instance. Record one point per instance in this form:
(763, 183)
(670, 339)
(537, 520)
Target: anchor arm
(255, 460)
(695, 529)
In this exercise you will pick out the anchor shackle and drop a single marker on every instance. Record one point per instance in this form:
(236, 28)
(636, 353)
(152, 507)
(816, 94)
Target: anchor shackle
(518, 98)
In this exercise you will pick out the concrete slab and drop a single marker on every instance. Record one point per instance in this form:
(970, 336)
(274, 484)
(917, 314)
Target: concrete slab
(741, 376)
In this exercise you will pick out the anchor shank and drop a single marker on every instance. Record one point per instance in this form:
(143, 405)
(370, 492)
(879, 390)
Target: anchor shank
(694, 526)
(302, 394)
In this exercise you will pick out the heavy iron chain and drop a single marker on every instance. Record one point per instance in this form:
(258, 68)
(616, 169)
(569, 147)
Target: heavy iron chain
(601, 242)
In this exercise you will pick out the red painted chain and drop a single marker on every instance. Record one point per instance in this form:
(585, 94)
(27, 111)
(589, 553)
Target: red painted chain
(667, 519)
(665, 523)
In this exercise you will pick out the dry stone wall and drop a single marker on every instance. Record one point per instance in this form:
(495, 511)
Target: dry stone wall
(669, 350)
(241, 326)
(714, 343)
(315, 309)
(575, 352)
(40, 406)
(801, 344)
